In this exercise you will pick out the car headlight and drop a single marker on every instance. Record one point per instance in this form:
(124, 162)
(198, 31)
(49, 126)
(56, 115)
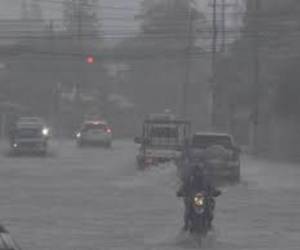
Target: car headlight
(45, 131)
(199, 200)
(78, 135)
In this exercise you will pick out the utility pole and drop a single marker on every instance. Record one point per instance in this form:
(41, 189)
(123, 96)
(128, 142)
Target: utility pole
(24, 10)
(213, 64)
(223, 11)
(215, 31)
(224, 5)
(189, 45)
(78, 84)
(56, 111)
(256, 74)
(3, 124)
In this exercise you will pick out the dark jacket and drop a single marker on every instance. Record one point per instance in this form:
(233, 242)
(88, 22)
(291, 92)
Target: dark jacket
(195, 180)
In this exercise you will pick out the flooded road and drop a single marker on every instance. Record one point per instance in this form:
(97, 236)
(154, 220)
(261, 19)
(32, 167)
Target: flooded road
(95, 198)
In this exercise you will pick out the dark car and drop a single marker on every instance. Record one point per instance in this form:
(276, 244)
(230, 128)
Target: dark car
(220, 153)
(29, 137)
(94, 133)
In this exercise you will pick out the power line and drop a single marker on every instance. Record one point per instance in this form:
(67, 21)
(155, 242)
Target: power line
(170, 20)
(123, 9)
(230, 35)
(166, 28)
(291, 15)
(121, 30)
(75, 56)
(110, 53)
(100, 6)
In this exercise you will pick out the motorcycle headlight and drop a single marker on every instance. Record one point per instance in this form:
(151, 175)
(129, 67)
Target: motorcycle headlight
(199, 200)
(45, 131)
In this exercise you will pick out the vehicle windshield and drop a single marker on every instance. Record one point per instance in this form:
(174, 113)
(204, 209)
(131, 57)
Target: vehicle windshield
(163, 132)
(163, 136)
(94, 126)
(204, 141)
(28, 132)
(30, 120)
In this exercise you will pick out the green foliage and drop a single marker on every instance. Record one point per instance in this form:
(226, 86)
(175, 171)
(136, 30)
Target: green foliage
(81, 17)
(276, 42)
(36, 12)
(168, 30)
(170, 20)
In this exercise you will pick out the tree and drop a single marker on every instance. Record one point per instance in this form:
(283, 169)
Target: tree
(35, 10)
(167, 52)
(287, 99)
(24, 10)
(272, 33)
(171, 20)
(81, 17)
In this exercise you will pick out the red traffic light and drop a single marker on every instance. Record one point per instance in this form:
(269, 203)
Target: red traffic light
(90, 60)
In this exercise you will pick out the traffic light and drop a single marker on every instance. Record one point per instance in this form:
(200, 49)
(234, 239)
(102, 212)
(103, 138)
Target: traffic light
(90, 59)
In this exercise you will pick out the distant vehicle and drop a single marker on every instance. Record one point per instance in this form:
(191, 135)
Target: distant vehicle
(162, 140)
(219, 152)
(29, 136)
(6, 241)
(94, 133)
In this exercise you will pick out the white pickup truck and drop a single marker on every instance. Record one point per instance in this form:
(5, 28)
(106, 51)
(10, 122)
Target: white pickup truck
(161, 141)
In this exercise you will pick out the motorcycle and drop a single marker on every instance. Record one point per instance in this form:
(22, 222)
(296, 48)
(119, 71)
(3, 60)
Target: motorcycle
(201, 207)
(201, 212)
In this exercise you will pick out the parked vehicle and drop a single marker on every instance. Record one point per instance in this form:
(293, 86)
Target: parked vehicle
(94, 133)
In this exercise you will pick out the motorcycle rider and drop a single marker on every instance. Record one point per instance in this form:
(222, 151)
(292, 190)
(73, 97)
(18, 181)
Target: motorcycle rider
(196, 179)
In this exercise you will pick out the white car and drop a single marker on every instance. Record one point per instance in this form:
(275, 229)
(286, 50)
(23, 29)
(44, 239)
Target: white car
(94, 133)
